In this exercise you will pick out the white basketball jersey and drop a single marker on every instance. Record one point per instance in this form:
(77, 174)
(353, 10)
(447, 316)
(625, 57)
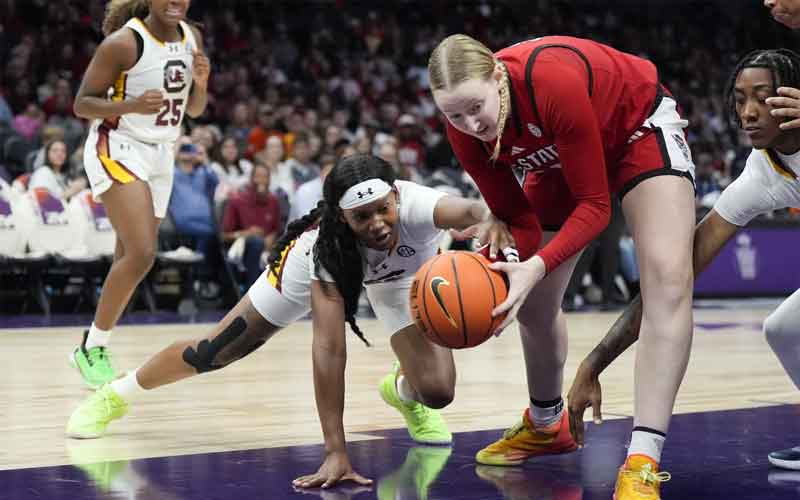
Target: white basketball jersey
(164, 66)
(388, 275)
(768, 182)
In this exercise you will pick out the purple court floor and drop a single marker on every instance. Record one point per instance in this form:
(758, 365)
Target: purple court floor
(713, 455)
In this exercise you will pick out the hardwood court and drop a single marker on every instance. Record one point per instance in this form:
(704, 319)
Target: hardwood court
(266, 400)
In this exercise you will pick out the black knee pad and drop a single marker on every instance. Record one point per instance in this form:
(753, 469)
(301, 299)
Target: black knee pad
(203, 358)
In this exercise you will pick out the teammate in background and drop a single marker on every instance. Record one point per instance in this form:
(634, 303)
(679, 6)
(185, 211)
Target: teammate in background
(372, 231)
(781, 104)
(144, 77)
(768, 182)
(583, 120)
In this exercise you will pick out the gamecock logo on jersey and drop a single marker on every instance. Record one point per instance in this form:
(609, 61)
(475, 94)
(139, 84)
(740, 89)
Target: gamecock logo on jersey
(175, 77)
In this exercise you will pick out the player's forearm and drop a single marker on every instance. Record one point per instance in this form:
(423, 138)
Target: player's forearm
(198, 99)
(478, 212)
(90, 108)
(329, 367)
(622, 335)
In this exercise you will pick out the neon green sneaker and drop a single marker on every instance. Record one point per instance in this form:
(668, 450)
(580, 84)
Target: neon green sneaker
(425, 425)
(94, 364)
(415, 477)
(92, 417)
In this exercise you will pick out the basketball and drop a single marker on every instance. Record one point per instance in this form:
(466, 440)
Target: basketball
(452, 298)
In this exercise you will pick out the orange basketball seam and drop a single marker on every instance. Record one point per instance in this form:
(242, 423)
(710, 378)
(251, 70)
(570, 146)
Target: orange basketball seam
(460, 301)
(491, 284)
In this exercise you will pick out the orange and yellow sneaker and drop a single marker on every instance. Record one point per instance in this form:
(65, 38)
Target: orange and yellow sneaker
(522, 442)
(639, 479)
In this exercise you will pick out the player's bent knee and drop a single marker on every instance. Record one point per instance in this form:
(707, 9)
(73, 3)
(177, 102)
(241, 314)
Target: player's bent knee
(230, 345)
(671, 278)
(143, 256)
(436, 395)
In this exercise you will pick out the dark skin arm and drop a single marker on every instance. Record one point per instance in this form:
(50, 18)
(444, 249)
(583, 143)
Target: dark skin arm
(201, 69)
(117, 53)
(472, 219)
(710, 236)
(329, 352)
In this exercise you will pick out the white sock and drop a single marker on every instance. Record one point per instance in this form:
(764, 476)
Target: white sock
(404, 390)
(97, 337)
(128, 387)
(645, 441)
(546, 413)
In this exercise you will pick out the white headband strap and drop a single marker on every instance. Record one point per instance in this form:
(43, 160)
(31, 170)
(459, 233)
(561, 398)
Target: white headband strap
(364, 192)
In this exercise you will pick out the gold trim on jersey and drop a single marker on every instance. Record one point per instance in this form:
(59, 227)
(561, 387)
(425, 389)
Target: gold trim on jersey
(158, 40)
(778, 165)
(114, 169)
(274, 276)
(119, 87)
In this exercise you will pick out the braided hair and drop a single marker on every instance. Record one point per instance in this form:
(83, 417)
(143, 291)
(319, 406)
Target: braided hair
(783, 64)
(337, 248)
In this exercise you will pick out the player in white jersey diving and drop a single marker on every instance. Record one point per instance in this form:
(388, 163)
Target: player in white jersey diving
(768, 182)
(370, 230)
(146, 75)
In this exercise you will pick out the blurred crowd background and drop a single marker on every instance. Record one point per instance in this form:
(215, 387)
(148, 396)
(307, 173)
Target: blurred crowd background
(297, 85)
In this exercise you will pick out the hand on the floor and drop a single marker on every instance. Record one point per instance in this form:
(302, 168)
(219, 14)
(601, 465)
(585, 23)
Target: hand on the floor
(585, 392)
(335, 469)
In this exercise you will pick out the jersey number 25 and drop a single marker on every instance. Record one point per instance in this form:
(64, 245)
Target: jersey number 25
(170, 114)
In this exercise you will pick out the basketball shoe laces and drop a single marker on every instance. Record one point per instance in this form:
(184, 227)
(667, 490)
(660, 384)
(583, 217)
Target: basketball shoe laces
(513, 431)
(420, 411)
(98, 354)
(645, 479)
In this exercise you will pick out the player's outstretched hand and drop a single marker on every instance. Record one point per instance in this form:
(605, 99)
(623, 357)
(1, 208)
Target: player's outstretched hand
(335, 469)
(585, 392)
(492, 232)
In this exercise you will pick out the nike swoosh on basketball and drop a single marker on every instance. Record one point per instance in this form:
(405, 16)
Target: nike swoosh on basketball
(436, 282)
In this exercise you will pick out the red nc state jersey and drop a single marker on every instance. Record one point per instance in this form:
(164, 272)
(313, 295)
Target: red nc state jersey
(574, 105)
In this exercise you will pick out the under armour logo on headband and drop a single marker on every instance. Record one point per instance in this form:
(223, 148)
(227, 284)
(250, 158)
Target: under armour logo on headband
(362, 195)
(364, 192)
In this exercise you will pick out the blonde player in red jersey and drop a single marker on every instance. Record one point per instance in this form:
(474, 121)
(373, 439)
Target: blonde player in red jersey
(146, 75)
(583, 121)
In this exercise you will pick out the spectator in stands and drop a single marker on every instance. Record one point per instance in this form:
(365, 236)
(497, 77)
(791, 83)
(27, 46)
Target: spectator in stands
(266, 127)
(301, 167)
(49, 134)
(240, 125)
(309, 193)
(207, 135)
(61, 102)
(233, 171)
(410, 148)
(6, 116)
(253, 214)
(191, 202)
(53, 174)
(28, 123)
